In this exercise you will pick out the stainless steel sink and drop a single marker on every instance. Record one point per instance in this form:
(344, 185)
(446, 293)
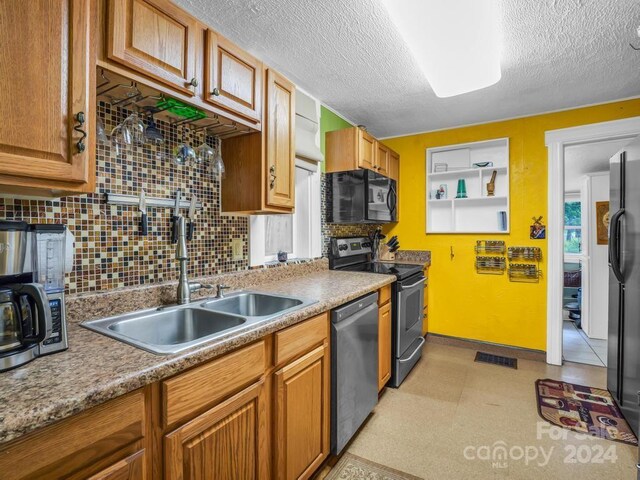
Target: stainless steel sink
(167, 330)
(254, 304)
(173, 329)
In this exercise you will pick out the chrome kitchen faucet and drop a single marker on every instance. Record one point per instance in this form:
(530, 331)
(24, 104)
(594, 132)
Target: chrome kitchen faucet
(182, 255)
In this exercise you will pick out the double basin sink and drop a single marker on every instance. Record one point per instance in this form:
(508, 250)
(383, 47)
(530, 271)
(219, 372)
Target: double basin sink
(170, 330)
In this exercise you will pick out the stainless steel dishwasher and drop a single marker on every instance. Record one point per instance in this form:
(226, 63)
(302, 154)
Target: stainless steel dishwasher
(354, 367)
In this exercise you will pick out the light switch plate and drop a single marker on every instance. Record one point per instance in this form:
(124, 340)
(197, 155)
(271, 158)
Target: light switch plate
(236, 248)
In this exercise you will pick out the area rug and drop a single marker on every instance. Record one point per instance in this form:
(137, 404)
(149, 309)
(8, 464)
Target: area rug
(586, 410)
(352, 467)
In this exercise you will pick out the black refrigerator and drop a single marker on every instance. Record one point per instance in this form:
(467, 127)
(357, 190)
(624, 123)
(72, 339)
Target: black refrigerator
(623, 361)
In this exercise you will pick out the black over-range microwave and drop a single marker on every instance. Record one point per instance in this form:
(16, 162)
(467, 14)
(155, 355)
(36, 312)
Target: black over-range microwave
(361, 196)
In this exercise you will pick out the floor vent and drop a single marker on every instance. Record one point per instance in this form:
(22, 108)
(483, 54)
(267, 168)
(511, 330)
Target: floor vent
(496, 360)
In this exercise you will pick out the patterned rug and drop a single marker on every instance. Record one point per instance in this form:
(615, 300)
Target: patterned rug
(351, 467)
(582, 409)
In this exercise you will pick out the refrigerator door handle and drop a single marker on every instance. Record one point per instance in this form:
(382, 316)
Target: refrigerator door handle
(614, 245)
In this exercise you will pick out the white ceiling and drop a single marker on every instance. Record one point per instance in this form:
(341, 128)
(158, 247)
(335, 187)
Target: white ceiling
(580, 160)
(557, 54)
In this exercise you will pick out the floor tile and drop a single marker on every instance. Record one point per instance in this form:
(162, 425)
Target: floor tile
(451, 410)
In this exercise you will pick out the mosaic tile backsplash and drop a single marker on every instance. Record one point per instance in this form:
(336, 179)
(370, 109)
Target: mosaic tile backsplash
(110, 253)
(109, 250)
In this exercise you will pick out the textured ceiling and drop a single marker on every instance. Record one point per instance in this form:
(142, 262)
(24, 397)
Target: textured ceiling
(588, 158)
(557, 54)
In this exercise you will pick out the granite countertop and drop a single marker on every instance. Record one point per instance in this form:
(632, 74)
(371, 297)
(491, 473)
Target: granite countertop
(97, 368)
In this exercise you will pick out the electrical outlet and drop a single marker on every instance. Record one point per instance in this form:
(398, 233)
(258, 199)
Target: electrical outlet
(236, 248)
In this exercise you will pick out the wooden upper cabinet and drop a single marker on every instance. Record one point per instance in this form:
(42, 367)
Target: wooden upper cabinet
(233, 78)
(384, 345)
(353, 148)
(227, 442)
(47, 74)
(366, 150)
(382, 159)
(302, 422)
(157, 39)
(280, 141)
(394, 165)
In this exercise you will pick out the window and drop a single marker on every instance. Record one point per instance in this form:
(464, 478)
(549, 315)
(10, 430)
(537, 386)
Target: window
(297, 234)
(572, 226)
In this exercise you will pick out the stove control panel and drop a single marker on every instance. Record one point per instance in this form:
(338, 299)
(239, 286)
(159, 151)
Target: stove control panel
(347, 247)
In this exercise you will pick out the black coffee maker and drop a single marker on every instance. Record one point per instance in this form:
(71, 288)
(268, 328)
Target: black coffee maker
(25, 314)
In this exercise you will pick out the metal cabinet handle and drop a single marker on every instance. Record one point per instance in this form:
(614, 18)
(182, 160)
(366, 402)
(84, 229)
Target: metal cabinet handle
(215, 92)
(272, 173)
(193, 82)
(80, 119)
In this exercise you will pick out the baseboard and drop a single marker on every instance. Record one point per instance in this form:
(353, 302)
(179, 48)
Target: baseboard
(494, 348)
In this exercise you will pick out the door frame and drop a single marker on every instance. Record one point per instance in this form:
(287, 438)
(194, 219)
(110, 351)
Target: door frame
(556, 141)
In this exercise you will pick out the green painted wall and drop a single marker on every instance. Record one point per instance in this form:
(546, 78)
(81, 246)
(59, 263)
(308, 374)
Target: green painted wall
(329, 122)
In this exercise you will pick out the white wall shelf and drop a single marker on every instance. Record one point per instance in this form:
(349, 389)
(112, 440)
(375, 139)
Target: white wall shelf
(478, 212)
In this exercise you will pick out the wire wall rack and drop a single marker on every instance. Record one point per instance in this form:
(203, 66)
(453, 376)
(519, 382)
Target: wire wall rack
(491, 265)
(524, 272)
(525, 253)
(490, 247)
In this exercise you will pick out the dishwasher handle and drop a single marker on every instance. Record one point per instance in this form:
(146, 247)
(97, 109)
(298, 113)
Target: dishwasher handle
(355, 317)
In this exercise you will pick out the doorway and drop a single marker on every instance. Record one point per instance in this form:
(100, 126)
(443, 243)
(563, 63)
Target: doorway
(559, 144)
(585, 290)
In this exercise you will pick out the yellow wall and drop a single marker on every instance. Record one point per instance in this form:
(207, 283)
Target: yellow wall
(487, 307)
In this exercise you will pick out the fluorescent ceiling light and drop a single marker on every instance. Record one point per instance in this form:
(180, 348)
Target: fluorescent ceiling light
(455, 42)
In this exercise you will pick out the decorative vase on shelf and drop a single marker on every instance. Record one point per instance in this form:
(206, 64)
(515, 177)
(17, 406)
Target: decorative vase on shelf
(491, 186)
(462, 189)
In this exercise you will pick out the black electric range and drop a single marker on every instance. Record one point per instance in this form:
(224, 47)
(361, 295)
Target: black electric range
(400, 270)
(354, 254)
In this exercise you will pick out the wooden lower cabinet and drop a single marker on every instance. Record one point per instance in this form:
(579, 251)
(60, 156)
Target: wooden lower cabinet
(104, 442)
(129, 468)
(302, 412)
(384, 345)
(259, 412)
(228, 441)
(425, 316)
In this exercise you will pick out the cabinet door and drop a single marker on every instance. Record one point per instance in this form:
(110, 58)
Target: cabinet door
(47, 77)
(366, 150)
(233, 78)
(280, 126)
(302, 415)
(382, 159)
(157, 39)
(226, 443)
(384, 345)
(394, 165)
(130, 468)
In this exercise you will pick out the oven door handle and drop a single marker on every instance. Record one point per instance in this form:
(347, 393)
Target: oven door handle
(407, 287)
(405, 360)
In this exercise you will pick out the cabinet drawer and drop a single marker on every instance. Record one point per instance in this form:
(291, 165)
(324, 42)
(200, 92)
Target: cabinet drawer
(130, 468)
(190, 392)
(79, 441)
(384, 295)
(298, 339)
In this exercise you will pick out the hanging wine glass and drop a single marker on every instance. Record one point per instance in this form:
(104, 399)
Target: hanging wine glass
(204, 152)
(217, 164)
(184, 153)
(134, 124)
